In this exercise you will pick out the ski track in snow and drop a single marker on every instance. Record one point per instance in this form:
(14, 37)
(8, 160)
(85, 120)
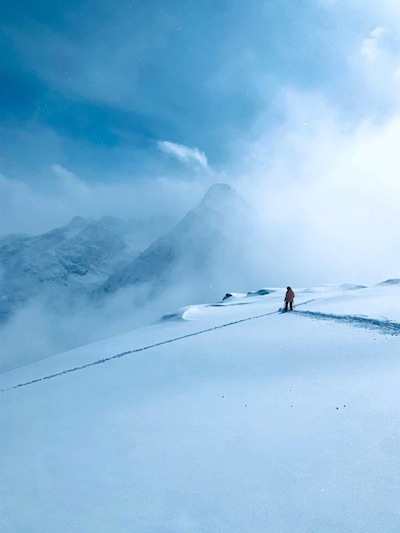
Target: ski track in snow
(136, 350)
(382, 326)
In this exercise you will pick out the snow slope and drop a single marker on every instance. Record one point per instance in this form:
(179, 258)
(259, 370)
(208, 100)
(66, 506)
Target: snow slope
(380, 302)
(228, 417)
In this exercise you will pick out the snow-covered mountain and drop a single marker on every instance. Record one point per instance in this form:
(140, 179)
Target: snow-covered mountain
(208, 237)
(225, 417)
(99, 257)
(74, 258)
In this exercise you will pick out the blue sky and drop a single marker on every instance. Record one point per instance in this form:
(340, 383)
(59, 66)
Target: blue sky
(133, 108)
(95, 85)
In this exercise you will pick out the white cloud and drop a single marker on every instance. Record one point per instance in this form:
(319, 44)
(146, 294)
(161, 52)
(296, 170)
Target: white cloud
(329, 195)
(62, 172)
(183, 153)
(71, 183)
(374, 65)
(370, 47)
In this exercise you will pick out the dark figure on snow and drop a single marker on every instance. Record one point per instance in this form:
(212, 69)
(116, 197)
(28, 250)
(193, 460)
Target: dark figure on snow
(289, 297)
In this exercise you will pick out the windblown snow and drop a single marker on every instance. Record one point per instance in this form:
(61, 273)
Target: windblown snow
(225, 417)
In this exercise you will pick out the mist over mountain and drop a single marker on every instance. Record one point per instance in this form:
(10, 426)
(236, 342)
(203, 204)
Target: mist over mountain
(69, 262)
(197, 250)
(64, 263)
(112, 275)
(106, 255)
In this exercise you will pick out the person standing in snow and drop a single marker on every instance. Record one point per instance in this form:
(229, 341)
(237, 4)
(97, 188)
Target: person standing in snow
(289, 297)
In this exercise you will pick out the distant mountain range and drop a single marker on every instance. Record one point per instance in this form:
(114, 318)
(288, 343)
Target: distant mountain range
(71, 259)
(193, 249)
(101, 257)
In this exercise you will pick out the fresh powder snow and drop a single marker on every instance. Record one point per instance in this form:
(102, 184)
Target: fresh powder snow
(225, 417)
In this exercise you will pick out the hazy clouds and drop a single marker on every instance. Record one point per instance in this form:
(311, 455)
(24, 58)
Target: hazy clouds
(333, 200)
(304, 123)
(26, 209)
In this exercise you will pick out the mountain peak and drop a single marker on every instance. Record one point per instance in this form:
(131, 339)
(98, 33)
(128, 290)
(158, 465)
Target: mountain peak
(77, 222)
(217, 192)
(217, 188)
(220, 196)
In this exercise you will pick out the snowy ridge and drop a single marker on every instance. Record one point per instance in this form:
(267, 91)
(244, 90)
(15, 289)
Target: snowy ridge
(198, 313)
(382, 326)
